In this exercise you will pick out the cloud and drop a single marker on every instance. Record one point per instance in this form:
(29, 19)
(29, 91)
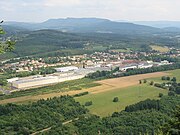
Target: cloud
(39, 10)
(61, 3)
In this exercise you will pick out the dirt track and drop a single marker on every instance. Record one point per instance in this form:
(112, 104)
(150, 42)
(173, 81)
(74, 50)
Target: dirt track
(107, 85)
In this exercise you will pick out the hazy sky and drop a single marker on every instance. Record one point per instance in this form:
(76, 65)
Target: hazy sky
(40, 10)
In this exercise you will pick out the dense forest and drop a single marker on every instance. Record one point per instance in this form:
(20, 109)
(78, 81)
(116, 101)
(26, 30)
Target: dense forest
(26, 119)
(145, 117)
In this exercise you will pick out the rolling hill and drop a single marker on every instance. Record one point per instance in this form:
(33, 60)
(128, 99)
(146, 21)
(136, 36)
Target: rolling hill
(83, 25)
(74, 35)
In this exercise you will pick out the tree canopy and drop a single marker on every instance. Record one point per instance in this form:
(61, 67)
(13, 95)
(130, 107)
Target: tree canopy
(5, 45)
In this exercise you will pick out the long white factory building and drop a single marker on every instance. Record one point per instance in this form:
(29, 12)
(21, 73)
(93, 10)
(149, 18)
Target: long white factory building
(33, 82)
(25, 83)
(62, 74)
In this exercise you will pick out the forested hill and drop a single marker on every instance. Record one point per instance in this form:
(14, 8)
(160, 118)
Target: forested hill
(54, 42)
(82, 25)
(14, 30)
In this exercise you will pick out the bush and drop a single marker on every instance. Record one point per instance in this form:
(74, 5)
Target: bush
(151, 83)
(163, 78)
(145, 81)
(89, 103)
(116, 99)
(140, 81)
(173, 79)
(171, 93)
(3, 82)
(168, 78)
(160, 95)
(81, 94)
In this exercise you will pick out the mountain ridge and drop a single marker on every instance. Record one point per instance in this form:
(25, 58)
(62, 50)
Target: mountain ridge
(83, 25)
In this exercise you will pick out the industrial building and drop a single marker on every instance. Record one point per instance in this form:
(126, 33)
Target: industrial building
(62, 74)
(66, 69)
(34, 82)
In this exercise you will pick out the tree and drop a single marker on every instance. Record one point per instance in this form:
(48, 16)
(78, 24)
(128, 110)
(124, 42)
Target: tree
(172, 128)
(145, 81)
(151, 83)
(173, 79)
(3, 82)
(177, 90)
(160, 95)
(89, 103)
(171, 93)
(116, 99)
(168, 78)
(163, 78)
(140, 82)
(5, 46)
(171, 88)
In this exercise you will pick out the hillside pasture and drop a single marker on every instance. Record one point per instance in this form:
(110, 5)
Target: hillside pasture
(103, 104)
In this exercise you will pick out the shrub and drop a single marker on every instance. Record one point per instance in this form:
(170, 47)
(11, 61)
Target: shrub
(81, 94)
(173, 79)
(140, 81)
(89, 103)
(116, 99)
(171, 93)
(151, 83)
(168, 78)
(145, 81)
(163, 78)
(160, 95)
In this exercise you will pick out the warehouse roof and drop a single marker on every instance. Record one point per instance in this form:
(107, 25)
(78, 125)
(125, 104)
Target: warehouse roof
(66, 69)
(34, 79)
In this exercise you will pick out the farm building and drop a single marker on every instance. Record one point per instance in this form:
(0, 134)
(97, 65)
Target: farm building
(66, 69)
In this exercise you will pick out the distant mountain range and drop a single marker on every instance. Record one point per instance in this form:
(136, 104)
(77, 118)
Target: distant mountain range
(79, 35)
(160, 24)
(84, 25)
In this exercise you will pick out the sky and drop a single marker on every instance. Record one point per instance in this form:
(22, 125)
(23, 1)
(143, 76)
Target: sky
(129, 10)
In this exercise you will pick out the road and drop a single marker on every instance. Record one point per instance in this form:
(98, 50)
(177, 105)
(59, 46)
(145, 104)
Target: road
(49, 128)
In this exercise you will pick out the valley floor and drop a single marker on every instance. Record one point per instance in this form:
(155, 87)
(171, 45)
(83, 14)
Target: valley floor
(108, 85)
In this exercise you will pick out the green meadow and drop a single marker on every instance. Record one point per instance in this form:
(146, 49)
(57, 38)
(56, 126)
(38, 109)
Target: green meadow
(103, 104)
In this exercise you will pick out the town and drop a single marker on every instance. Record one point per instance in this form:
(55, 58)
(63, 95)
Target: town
(75, 67)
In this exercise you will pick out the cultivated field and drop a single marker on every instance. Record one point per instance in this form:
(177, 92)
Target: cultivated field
(159, 48)
(122, 82)
(115, 84)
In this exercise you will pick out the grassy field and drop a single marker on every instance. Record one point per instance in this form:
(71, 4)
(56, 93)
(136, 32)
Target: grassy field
(74, 85)
(103, 105)
(102, 102)
(101, 93)
(172, 73)
(159, 48)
